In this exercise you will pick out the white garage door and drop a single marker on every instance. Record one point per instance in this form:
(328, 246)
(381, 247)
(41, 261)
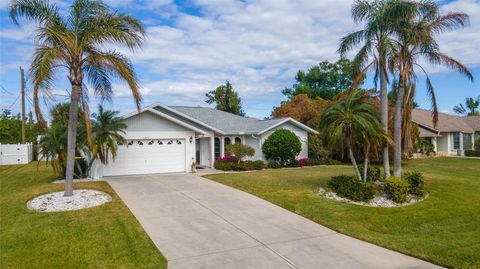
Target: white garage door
(140, 156)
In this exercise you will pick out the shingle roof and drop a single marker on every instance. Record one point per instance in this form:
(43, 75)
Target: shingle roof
(227, 122)
(473, 122)
(446, 122)
(426, 132)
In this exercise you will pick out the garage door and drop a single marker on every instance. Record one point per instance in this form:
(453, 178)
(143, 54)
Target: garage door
(148, 157)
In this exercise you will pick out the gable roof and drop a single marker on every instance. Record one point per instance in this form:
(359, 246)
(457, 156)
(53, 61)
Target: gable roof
(230, 123)
(446, 122)
(473, 122)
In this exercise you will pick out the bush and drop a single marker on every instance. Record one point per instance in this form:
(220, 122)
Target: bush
(416, 181)
(477, 144)
(240, 151)
(472, 153)
(274, 165)
(316, 151)
(352, 188)
(231, 164)
(303, 162)
(397, 189)
(282, 146)
(373, 173)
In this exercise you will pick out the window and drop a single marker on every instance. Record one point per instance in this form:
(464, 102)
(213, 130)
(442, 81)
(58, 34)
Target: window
(151, 142)
(179, 142)
(130, 143)
(226, 142)
(238, 140)
(140, 143)
(170, 142)
(467, 141)
(159, 142)
(217, 147)
(456, 140)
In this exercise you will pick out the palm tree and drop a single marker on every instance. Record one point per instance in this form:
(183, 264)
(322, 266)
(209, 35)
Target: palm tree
(471, 104)
(377, 43)
(351, 123)
(107, 134)
(75, 42)
(415, 25)
(53, 148)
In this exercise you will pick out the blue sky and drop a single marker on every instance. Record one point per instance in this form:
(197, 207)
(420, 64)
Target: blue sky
(194, 46)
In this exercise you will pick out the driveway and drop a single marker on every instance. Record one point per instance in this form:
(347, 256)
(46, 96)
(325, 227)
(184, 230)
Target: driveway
(198, 223)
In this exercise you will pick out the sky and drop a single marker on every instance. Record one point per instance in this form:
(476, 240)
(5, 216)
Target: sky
(194, 46)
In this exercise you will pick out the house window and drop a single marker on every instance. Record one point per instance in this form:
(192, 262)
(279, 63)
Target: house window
(226, 142)
(456, 140)
(467, 141)
(217, 147)
(238, 140)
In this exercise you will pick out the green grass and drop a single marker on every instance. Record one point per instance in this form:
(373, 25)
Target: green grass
(444, 229)
(107, 236)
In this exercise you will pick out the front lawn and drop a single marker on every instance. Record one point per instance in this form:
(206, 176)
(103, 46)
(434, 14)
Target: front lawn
(108, 236)
(444, 229)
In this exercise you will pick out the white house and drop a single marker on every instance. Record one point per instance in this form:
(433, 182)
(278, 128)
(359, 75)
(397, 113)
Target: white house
(164, 139)
(452, 135)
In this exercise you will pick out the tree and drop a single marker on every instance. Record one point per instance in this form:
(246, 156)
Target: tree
(76, 40)
(53, 148)
(240, 151)
(350, 123)
(226, 99)
(11, 128)
(282, 146)
(377, 43)
(303, 109)
(324, 80)
(415, 27)
(470, 104)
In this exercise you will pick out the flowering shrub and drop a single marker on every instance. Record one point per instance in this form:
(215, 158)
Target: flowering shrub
(303, 162)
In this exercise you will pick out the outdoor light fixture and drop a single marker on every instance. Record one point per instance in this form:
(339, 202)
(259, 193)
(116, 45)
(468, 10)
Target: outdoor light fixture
(191, 140)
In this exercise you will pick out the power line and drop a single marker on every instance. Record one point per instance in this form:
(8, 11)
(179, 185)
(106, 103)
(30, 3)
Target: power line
(16, 99)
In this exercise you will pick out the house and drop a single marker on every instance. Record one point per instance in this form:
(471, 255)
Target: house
(452, 135)
(164, 139)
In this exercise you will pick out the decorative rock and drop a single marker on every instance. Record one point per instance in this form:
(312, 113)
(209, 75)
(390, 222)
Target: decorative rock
(55, 201)
(78, 180)
(380, 200)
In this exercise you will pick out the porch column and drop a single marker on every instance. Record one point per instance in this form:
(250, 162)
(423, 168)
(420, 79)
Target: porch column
(434, 143)
(461, 142)
(212, 151)
(222, 147)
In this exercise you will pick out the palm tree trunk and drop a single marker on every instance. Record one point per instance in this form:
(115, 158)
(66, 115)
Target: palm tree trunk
(384, 115)
(72, 137)
(355, 166)
(365, 166)
(397, 128)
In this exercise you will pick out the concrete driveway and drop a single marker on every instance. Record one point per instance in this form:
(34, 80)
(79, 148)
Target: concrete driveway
(198, 223)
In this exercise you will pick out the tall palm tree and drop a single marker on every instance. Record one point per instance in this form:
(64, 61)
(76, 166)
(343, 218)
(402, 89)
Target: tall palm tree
(415, 27)
(352, 122)
(76, 42)
(471, 104)
(377, 43)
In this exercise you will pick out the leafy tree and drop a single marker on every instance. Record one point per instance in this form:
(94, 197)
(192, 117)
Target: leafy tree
(351, 123)
(470, 104)
(76, 40)
(11, 128)
(324, 80)
(226, 99)
(282, 146)
(240, 151)
(302, 108)
(415, 26)
(377, 45)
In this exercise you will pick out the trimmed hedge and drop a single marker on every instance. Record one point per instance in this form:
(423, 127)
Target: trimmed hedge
(373, 173)
(472, 153)
(416, 182)
(397, 189)
(227, 165)
(352, 188)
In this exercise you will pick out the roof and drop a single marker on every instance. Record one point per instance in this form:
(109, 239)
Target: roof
(424, 132)
(473, 122)
(446, 122)
(230, 123)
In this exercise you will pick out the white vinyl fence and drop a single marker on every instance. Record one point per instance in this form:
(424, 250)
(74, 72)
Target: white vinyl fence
(16, 153)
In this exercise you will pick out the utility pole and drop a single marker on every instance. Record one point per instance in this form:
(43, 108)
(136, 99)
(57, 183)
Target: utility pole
(22, 79)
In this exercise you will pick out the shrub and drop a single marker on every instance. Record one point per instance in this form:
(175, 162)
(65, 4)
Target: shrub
(397, 189)
(472, 153)
(416, 181)
(228, 165)
(477, 144)
(352, 188)
(282, 146)
(303, 162)
(274, 165)
(373, 173)
(240, 151)
(426, 147)
(316, 151)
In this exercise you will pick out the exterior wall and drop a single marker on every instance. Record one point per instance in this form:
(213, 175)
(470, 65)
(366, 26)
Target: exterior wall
(16, 153)
(302, 135)
(150, 126)
(204, 147)
(443, 144)
(254, 142)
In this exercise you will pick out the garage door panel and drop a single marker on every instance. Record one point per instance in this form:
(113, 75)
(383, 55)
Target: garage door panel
(142, 156)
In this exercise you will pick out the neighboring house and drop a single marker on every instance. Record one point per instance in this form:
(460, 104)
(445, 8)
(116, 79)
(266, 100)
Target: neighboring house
(164, 139)
(452, 135)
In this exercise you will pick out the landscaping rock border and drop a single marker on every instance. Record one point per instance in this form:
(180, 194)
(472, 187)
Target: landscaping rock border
(56, 202)
(78, 180)
(380, 200)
